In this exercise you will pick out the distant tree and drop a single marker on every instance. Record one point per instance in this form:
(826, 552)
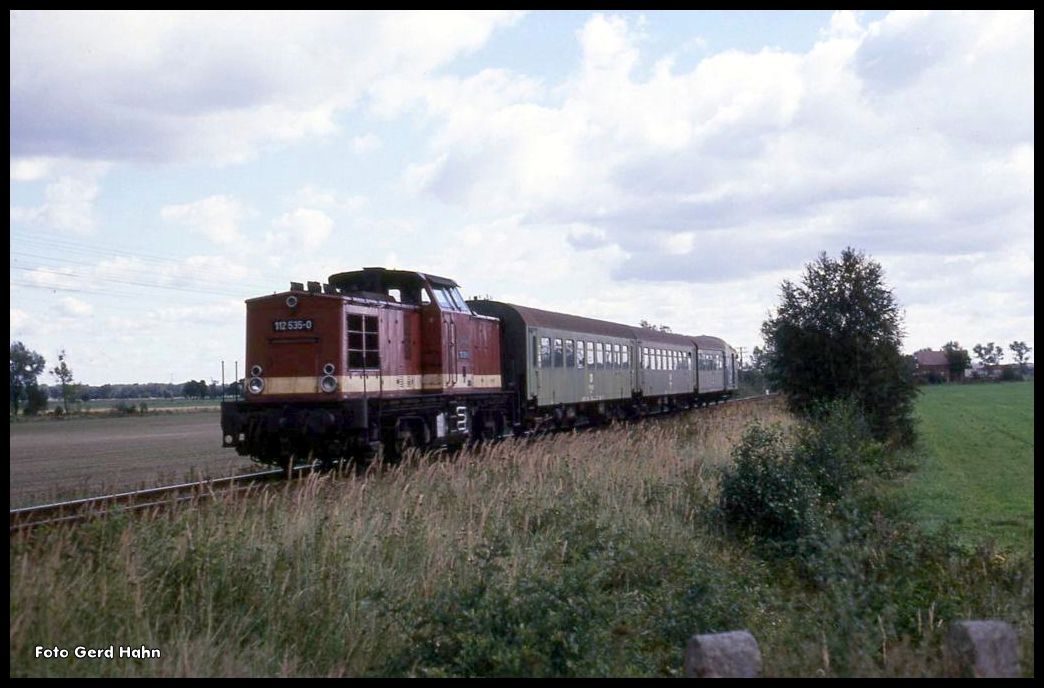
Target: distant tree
(36, 400)
(837, 335)
(957, 359)
(26, 365)
(757, 359)
(64, 375)
(1021, 352)
(989, 354)
(650, 326)
(190, 389)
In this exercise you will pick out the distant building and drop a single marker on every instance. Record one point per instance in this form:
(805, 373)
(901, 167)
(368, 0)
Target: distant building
(933, 366)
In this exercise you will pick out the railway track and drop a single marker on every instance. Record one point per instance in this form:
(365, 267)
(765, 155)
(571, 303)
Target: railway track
(77, 510)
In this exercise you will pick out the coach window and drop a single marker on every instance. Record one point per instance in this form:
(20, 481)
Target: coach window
(616, 355)
(598, 355)
(579, 353)
(626, 353)
(569, 360)
(558, 353)
(536, 353)
(545, 352)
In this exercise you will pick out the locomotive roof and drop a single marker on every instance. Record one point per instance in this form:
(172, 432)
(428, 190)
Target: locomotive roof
(575, 323)
(369, 276)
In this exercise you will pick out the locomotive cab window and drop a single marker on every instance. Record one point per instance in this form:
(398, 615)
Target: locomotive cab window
(363, 342)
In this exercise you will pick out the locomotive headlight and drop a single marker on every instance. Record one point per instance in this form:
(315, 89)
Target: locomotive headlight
(329, 368)
(291, 301)
(256, 371)
(256, 385)
(328, 383)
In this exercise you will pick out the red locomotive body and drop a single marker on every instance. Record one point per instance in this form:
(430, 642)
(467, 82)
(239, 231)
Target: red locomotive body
(374, 356)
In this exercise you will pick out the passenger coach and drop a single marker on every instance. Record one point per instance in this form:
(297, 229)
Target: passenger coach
(567, 369)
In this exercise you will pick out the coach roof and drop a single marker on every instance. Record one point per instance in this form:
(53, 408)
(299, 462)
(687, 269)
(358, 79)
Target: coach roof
(535, 317)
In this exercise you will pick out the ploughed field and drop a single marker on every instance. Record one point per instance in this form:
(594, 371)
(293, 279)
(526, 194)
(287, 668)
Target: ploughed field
(84, 457)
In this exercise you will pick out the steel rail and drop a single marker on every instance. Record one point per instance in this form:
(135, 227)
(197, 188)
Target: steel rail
(75, 510)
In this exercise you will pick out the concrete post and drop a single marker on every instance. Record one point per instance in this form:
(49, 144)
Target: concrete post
(723, 655)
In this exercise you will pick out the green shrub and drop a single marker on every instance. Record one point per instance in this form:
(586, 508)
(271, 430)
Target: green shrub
(837, 447)
(766, 493)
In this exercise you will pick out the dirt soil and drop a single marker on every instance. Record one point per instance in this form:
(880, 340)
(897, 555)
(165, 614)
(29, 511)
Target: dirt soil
(83, 457)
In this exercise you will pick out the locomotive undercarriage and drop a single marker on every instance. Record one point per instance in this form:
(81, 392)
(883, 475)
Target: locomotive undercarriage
(303, 432)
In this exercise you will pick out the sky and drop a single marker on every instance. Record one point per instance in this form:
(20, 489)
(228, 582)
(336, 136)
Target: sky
(674, 167)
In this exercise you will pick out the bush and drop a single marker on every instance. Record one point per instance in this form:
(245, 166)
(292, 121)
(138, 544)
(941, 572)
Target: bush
(36, 401)
(1010, 375)
(124, 408)
(837, 447)
(766, 493)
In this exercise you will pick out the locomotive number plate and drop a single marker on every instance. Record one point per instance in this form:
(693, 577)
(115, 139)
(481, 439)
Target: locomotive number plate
(292, 325)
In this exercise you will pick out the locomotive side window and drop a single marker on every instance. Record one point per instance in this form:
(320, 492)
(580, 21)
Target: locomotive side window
(558, 353)
(545, 352)
(363, 342)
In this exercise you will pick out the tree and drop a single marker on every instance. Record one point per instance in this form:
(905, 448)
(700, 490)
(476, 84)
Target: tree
(957, 359)
(25, 366)
(838, 335)
(64, 375)
(1021, 352)
(989, 354)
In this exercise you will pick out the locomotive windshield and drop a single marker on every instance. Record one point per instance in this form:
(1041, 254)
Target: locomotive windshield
(450, 298)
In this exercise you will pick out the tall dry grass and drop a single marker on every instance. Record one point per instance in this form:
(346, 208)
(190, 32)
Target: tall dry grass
(585, 553)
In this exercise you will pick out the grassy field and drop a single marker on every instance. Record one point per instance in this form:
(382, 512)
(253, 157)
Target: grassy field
(103, 405)
(591, 554)
(87, 455)
(977, 475)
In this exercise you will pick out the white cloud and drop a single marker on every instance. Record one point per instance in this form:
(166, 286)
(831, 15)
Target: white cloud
(328, 199)
(19, 319)
(215, 218)
(69, 194)
(304, 229)
(366, 143)
(75, 307)
(180, 85)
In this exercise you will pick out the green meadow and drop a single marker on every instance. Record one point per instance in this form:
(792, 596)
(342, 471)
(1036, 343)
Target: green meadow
(977, 475)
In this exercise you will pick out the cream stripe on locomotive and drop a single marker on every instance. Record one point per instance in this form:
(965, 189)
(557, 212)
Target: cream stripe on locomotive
(376, 383)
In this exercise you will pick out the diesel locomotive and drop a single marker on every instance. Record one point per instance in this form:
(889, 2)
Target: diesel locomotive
(395, 358)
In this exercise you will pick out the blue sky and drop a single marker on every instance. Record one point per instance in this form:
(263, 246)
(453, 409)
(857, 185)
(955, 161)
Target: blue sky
(668, 166)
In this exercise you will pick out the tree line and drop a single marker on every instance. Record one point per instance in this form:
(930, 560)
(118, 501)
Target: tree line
(30, 396)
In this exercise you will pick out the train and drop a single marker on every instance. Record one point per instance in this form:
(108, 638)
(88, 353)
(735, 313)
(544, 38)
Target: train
(378, 359)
